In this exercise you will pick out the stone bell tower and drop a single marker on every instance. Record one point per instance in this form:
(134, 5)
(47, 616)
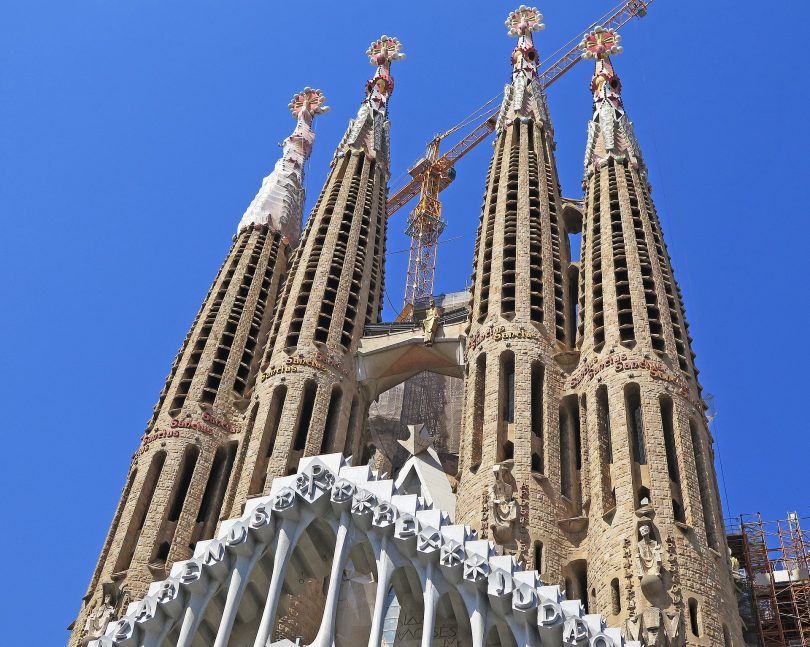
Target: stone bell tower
(307, 400)
(655, 547)
(176, 487)
(517, 475)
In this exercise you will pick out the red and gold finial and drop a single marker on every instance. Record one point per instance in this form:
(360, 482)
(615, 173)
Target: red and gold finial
(600, 43)
(524, 20)
(382, 52)
(521, 23)
(385, 50)
(310, 101)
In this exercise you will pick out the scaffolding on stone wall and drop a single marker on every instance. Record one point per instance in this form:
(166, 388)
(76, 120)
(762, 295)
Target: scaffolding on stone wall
(773, 579)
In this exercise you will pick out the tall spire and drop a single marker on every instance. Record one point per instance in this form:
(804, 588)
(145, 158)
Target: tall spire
(368, 131)
(280, 200)
(649, 469)
(524, 97)
(517, 441)
(610, 132)
(307, 397)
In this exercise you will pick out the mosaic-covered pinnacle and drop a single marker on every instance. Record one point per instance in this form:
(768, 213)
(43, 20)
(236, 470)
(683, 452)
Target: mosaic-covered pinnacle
(600, 44)
(523, 97)
(382, 52)
(524, 20)
(610, 132)
(385, 50)
(368, 132)
(309, 101)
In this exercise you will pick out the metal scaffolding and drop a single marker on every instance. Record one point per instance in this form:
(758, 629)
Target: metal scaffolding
(774, 577)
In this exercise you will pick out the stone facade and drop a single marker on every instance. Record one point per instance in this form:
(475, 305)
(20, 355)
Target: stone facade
(584, 451)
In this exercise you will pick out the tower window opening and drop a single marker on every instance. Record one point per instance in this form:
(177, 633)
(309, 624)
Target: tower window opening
(635, 423)
(605, 447)
(538, 374)
(678, 511)
(476, 446)
(162, 553)
(506, 448)
(332, 416)
(576, 582)
(573, 303)
(205, 330)
(136, 523)
(643, 496)
(305, 415)
(603, 419)
(667, 423)
(268, 440)
(694, 617)
(117, 519)
(177, 500)
(509, 388)
(645, 263)
(565, 445)
(703, 475)
(582, 576)
(183, 482)
(538, 556)
(569, 446)
(214, 494)
(615, 597)
(669, 439)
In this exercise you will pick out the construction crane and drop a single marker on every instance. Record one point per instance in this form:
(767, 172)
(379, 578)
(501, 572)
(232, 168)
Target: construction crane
(434, 172)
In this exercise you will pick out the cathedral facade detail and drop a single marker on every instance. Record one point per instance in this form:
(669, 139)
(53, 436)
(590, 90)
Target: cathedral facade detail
(258, 508)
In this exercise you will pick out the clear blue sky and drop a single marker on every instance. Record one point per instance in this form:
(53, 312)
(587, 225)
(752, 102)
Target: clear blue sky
(135, 133)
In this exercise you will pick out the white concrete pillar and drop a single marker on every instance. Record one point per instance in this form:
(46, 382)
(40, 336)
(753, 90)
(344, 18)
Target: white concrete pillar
(385, 571)
(326, 632)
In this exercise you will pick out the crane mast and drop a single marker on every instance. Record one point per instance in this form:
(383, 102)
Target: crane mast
(433, 173)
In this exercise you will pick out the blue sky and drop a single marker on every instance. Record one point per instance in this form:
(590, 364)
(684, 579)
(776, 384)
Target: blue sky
(134, 134)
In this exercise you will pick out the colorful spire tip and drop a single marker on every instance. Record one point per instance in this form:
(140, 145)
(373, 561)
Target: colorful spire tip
(524, 20)
(600, 43)
(308, 100)
(384, 50)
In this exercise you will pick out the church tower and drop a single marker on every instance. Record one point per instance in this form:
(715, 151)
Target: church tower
(517, 474)
(178, 478)
(656, 552)
(307, 402)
